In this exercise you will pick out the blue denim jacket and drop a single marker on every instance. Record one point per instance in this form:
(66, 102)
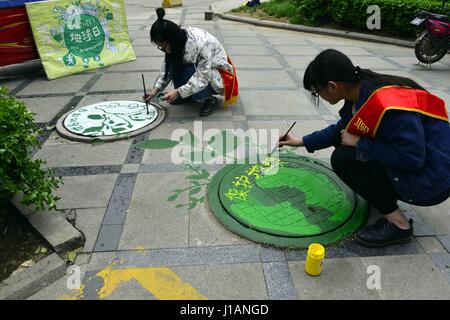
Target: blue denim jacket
(414, 148)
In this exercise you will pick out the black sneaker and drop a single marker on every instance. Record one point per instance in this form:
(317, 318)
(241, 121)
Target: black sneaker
(383, 233)
(208, 106)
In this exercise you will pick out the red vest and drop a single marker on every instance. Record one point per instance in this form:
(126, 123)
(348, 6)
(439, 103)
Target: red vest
(368, 118)
(230, 85)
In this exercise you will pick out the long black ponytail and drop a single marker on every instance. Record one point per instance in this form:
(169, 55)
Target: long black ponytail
(333, 65)
(164, 30)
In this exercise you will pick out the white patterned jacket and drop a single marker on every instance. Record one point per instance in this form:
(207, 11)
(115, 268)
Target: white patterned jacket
(208, 55)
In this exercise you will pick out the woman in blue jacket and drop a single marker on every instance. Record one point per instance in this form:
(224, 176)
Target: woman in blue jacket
(392, 141)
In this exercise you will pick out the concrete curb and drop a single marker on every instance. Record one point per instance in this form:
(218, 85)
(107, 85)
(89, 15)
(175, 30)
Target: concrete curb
(29, 281)
(60, 235)
(55, 229)
(218, 12)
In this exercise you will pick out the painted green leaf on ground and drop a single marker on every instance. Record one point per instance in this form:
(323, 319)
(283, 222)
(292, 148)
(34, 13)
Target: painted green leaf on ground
(157, 144)
(224, 142)
(95, 117)
(93, 129)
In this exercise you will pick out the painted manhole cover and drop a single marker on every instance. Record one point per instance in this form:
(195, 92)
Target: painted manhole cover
(303, 202)
(110, 120)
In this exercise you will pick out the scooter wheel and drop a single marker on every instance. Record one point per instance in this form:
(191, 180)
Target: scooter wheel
(428, 52)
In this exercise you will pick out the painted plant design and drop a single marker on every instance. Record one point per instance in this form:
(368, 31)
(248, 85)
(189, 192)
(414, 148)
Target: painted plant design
(109, 118)
(199, 178)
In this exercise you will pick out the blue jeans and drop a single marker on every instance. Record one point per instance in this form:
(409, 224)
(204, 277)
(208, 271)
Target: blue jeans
(183, 78)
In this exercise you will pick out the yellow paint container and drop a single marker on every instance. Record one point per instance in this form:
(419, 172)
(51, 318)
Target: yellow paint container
(314, 259)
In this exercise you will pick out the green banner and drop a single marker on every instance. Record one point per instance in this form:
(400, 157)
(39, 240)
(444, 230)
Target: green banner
(77, 35)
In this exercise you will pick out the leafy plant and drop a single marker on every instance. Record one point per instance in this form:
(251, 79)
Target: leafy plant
(219, 145)
(18, 172)
(198, 181)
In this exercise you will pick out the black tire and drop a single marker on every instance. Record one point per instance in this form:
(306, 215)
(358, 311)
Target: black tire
(426, 52)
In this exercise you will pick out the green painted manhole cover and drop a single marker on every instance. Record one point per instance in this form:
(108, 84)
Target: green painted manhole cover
(304, 202)
(110, 120)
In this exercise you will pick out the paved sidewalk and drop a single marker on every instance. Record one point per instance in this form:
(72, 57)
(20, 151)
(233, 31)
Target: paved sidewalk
(139, 246)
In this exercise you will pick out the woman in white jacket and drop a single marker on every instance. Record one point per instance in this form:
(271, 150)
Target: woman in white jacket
(197, 64)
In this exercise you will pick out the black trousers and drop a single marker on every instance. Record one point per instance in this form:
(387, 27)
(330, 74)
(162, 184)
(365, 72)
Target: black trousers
(370, 180)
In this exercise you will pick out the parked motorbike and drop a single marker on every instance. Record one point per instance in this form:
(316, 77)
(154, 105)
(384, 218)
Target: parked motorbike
(433, 42)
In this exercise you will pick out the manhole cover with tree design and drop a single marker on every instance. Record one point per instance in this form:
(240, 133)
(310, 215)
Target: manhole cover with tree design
(110, 120)
(304, 202)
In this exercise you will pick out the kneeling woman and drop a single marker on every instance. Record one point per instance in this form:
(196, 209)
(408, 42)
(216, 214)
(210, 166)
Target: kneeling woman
(392, 141)
(197, 64)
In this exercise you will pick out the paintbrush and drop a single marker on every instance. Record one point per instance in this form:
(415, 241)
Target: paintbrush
(145, 92)
(284, 137)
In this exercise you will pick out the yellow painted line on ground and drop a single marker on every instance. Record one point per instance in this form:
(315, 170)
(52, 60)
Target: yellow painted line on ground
(161, 282)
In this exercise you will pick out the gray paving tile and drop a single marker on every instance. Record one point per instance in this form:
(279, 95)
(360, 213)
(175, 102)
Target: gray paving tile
(296, 50)
(341, 279)
(279, 282)
(299, 62)
(119, 81)
(373, 63)
(272, 254)
(250, 50)
(140, 64)
(84, 154)
(89, 222)
(431, 244)
(252, 79)
(230, 41)
(266, 103)
(442, 261)
(141, 51)
(45, 109)
(348, 50)
(421, 228)
(445, 241)
(10, 82)
(205, 230)
(216, 255)
(91, 191)
(152, 222)
(214, 281)
(410, 277)
(238, 33)
(130, 168)
(290, 41)
(411, 62)
(436, 217)
(142, 42)
(61, 85)
(117, 209)
(256, 62)
(108, 238)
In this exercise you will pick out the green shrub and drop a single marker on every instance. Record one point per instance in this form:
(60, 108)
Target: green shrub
(281, 8)
(395, 14)
(315, 12)
(18, 172)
